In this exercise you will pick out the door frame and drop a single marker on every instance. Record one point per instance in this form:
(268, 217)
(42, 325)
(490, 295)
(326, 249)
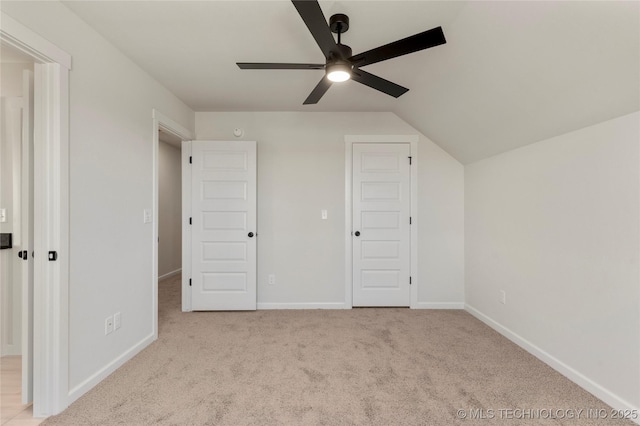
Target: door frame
(186, 229)
(349, 140)
(51, 216)
(160, 121)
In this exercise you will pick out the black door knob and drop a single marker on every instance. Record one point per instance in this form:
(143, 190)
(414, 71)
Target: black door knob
(250, 234)
(357, 233)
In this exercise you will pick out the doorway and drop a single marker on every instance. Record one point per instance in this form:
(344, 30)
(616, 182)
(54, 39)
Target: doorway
(51, 214)
(167, 142)
(16, 226)
(381, 220)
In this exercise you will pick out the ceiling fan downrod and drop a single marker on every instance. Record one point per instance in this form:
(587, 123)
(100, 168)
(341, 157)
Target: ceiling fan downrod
(339, 23)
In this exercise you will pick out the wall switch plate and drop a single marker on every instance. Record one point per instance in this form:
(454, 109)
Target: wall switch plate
(108, 325)
(272, 279)
(3, 215)
(147, 216)
(116, 321)
(503, 297)
(324, 214)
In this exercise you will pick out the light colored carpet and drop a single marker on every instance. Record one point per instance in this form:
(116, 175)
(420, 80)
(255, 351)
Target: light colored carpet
(361, 366)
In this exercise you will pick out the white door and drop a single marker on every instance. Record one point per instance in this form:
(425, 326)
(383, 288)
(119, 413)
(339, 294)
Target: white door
(223, 228)
(381, 224)
(26, 229)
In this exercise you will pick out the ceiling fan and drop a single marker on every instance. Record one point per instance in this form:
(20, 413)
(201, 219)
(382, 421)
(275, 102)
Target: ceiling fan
(340, 64)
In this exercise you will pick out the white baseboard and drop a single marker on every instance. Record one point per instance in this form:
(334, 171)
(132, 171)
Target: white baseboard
(439, 305)
(575, 376)
(170, 274)
(101, 374)
(336, 305)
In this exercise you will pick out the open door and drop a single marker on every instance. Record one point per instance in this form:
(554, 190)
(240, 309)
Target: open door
(223, 225)
(26, 229)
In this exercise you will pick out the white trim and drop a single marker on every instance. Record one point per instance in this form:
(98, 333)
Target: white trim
(102, 374)
(349, 140)
(171, 126)
(186, 229)
(575, 376)
(169, 274)
(439, 305)
(330, 305)
(22, 38)
(51, 215)
(160, 121)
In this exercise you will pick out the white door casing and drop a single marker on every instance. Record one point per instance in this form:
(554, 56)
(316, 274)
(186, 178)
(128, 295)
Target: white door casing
(51, 215)
(223, 225)
(381, 224)
(161, 121)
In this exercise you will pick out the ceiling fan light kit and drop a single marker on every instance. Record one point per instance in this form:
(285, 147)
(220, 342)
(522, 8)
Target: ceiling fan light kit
(338, 71)
(340, 65)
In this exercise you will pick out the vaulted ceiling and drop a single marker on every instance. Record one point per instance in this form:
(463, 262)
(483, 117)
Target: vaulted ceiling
(511, 73)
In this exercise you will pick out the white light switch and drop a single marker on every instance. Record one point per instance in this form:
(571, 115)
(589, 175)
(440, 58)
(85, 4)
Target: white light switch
(147, 216)
(3, 215)
(324, 214)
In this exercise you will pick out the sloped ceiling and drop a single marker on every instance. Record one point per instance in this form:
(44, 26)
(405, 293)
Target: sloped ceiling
(511, 73)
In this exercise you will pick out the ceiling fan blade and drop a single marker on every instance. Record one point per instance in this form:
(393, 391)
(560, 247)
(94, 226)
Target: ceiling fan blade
(312, 15)
(378, 83)
(277, 66)
(318, 91)
(415, 43)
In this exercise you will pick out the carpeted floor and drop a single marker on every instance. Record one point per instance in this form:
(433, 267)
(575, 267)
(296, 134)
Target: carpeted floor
(317, 367)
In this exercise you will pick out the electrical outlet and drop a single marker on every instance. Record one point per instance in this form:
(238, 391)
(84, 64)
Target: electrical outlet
(3, 215)
(108, 325)
(503, 297)
(323, 214)
(146, 218)
(272, 279)
(116, 321)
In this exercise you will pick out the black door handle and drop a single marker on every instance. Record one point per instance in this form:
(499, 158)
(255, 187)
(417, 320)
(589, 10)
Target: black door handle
(23, 254)
(357, 234)
(250, 234)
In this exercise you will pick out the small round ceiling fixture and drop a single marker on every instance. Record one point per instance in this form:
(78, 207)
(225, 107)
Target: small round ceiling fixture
(339, 71)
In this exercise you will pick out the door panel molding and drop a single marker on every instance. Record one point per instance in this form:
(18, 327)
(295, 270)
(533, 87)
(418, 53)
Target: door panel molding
(379, 164)
(220, 212)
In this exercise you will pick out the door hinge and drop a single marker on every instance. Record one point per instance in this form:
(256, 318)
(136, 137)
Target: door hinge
(409, 220)
(190, 159)
(189, 282)
(190, 221)
(410, 158)
(53, 256)
(409, 280)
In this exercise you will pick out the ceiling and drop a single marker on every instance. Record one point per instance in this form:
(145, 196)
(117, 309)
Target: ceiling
(511, 73)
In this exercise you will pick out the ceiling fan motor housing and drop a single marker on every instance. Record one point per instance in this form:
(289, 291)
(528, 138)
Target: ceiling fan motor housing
(342, 52)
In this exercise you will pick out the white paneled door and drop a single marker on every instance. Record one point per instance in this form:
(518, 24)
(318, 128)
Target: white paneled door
(381, 224)
(223, 228)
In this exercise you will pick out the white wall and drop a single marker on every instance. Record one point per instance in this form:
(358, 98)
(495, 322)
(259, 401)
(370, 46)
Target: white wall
(111, 146)
(169, 209)
(555, 225)
(301, 170)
